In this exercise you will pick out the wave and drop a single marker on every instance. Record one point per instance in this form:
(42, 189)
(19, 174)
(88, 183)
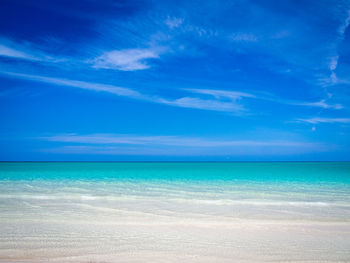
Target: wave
(199, 201)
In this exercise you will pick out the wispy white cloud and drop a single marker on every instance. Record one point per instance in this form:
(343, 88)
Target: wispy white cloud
(114, 150)
(173, 22)
(333, 60)
(223, 100)
(235, 95)
(333, 63)
(204, 104)
(320, 104)
(325, 120)
(7, 51)
(244, 37)
(222, 93)
(121, 139)
(110, 139)
(342, 28)
(79, 84)
(126, 59)
(187, 151)
(25, 51)
(184, 102)
(123, 144)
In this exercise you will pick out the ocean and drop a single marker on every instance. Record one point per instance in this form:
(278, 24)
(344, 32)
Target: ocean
(175, 212)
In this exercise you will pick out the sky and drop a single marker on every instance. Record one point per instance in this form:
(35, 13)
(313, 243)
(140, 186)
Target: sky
(245, 80)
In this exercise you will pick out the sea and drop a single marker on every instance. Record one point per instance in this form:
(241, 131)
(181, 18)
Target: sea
(101, 212)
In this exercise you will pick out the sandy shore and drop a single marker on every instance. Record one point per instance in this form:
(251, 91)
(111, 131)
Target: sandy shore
(162, 240)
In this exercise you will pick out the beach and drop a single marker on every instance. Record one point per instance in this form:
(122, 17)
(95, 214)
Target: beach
(173, 212)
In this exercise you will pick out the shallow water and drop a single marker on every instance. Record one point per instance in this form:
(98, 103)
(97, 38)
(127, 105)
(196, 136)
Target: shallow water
(171, 212)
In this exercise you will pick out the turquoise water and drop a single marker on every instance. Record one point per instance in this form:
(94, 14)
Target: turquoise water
(307, 172)
(55, 210)
(294, 185)
(289, 191)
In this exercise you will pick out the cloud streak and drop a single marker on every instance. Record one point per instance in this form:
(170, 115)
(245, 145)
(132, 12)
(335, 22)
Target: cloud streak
(7, 51)
(244, 37)
(222, 93)
(204, 104)
(166, 140)
(174, 22)
(325, 120)
(344, 25)
(121, 144)
(183, 102)
(235, 95)
(25, 51)
(333, 61)
(127, 59)
(223, 100)
(319, 104)
(124, 60)
(79, 84)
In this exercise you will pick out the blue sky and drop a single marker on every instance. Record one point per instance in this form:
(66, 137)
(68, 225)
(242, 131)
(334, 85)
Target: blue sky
(174, 80)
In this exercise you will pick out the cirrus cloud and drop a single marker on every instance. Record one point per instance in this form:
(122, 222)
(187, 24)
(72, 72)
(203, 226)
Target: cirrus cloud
(126, 59)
